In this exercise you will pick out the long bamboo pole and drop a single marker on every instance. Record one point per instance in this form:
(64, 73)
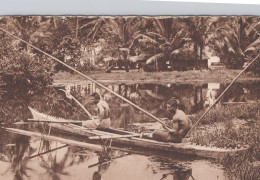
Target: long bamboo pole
(234, 80)
(87, 77)
(52, 121)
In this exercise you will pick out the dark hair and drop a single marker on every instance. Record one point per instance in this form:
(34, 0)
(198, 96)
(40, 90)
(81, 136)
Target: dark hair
(172, 102)
(96, 95)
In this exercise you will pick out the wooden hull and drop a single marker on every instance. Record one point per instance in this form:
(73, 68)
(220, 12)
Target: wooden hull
(186, 148)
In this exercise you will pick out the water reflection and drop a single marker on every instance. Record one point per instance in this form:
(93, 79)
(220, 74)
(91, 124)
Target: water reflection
(70, 162)
(152, 97)
(26, 158)
(212, 93)
(15, 152)
(171, 170)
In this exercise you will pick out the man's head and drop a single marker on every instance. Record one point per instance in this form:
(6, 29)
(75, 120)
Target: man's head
(172, 105)
(95, 97)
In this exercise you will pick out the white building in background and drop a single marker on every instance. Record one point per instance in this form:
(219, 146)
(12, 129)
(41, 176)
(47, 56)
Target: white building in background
(90, 54)
(213, 60)
(212, 92)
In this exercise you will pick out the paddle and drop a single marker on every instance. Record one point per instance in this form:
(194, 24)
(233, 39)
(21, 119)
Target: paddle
(70, 96)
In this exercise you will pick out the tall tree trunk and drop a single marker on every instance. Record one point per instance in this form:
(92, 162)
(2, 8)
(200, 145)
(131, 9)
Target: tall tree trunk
(196, 54)
(201, 52)
(241, 33)
(77, 27)
(54, 22)
(156, 65)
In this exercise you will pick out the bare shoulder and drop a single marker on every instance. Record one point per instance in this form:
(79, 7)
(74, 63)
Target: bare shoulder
(179, 115)
(102, 103)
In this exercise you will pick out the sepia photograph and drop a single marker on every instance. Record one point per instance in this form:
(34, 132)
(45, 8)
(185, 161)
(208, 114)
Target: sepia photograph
(129, 97)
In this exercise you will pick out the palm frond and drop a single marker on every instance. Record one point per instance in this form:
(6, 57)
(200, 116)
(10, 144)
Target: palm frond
(253, 46)
(160, 26)
(236, 38)
(253, 28)
(91, 23)
(142, 38)
(154, 58)
(156, 34)
(229, 45)
(181, 34)
(137, 58)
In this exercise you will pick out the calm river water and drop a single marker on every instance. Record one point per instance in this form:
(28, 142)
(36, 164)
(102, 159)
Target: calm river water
(19, 157)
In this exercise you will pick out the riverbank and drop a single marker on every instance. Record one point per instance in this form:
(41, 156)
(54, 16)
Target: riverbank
(184, 77)
(233, 126)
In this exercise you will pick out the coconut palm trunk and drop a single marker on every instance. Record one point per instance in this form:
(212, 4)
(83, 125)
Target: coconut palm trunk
(196, 55)
(201, 52)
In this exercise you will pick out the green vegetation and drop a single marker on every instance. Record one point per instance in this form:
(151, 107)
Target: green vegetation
(228, 134)
(153, 44)
(235, 40)
(225, 113)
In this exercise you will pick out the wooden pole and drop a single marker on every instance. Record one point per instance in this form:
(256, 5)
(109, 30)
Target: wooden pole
(81, 105)
(46, 152)
(117, 136)
(234, 80)
(51, 121)
(87, 77)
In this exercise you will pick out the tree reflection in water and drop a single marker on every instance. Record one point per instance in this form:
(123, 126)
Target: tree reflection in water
(178, 171)
(18, 156)
(51, 165)
(56, 168)
(104, 159)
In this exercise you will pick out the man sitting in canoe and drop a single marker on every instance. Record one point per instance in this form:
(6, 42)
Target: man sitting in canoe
(177, 125)
(103, 119)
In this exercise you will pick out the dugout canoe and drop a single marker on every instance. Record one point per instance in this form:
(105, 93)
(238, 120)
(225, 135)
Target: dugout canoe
(184, 148)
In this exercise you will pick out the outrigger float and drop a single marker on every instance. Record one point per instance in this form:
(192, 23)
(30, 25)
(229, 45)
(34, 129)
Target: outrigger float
(134, 139)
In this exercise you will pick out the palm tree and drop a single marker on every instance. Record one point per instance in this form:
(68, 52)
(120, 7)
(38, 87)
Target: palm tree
(160, 41)
(236, 39)
(89, 27)
(199, 29)
(33, 29)
(120, 31)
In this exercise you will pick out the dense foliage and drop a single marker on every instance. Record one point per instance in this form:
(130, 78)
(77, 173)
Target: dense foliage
(236, 40)
(152, 43)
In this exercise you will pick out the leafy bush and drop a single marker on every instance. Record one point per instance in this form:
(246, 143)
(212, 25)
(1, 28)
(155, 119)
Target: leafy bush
(23, 69)
(225, 113)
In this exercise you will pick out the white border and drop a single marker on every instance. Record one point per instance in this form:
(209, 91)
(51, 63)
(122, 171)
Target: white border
(123, 7)
(214, 1)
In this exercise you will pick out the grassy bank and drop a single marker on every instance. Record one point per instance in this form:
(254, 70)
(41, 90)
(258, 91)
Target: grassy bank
(189, 77)
(234, 127)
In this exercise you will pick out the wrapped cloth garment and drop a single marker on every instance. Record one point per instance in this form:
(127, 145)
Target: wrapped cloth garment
(103, 124)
